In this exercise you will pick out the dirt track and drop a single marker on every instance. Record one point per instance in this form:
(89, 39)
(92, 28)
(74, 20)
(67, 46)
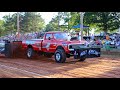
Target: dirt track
(103, 67)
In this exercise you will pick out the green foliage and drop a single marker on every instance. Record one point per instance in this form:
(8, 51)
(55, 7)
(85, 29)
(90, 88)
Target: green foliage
(9, 23)
(53, 25)
(70, 19)
(29, 22)
(49, 27)
(104, 21)
(1, 27)
(32, 22)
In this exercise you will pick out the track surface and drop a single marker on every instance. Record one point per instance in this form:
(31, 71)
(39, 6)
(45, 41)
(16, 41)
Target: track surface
(102, 67)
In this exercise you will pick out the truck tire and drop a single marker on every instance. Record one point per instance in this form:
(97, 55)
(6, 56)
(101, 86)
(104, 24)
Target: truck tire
(30, 53)
(60, 56)
(82, 59)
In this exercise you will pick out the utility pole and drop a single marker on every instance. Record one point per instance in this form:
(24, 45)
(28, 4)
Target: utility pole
(81, 24)
(58, 21)
(68, 20)
(18, 31)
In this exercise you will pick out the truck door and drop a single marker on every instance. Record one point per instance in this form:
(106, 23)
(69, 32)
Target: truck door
(48, 43)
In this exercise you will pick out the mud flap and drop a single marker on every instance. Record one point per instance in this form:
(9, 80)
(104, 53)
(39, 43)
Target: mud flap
(87, 53)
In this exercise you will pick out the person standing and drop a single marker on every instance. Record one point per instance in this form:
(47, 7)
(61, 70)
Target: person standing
(79, 35)
(107, 46)
(107, 37)
(92, 37)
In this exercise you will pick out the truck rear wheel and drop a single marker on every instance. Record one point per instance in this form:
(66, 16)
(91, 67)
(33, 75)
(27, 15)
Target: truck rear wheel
(30, 53)
(60, 56)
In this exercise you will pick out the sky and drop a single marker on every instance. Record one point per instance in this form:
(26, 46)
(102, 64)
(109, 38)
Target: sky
(47, 16)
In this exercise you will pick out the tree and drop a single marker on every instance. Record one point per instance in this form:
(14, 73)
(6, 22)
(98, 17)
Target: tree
(9, 23)
(2, 27)
(49, 27)
(70, 19)
(66, 18)
(31, 22)
(53, 24)
(105, 21)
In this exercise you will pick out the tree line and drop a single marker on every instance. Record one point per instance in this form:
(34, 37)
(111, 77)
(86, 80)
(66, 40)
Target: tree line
(32, 22)
(101, 21)
(28, 22)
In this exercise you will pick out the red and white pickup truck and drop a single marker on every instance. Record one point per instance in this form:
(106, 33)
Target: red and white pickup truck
(57, 44)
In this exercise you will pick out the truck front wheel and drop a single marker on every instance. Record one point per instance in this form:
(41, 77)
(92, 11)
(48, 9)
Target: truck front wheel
(60, 56)
(30, 53)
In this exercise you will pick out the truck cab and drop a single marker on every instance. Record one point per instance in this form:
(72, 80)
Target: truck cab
(55, 40)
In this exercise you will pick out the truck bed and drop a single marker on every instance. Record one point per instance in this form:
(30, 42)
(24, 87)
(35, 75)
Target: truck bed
(36, 43)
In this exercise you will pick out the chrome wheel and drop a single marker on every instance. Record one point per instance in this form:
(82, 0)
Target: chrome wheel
(58, 57)
(29, 53)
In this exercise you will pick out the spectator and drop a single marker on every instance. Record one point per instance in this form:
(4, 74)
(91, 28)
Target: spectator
(78, 36)
(107, 37)
(107, 46)
(92, 37)
(69, 37)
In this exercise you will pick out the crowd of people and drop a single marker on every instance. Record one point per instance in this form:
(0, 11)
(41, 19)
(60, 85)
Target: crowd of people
(108, 41)
(21, 36)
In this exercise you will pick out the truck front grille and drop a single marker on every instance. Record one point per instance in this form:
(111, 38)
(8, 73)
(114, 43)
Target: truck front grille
(71, 47)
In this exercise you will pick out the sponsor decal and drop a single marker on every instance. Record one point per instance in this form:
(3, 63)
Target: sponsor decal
(83, 53)
(46, 45)
(93, 52)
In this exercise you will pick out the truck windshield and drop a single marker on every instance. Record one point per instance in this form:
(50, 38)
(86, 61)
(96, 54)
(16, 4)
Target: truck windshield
(61, 36)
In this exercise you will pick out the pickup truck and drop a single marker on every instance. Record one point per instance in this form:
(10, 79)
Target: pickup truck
(54, 43)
